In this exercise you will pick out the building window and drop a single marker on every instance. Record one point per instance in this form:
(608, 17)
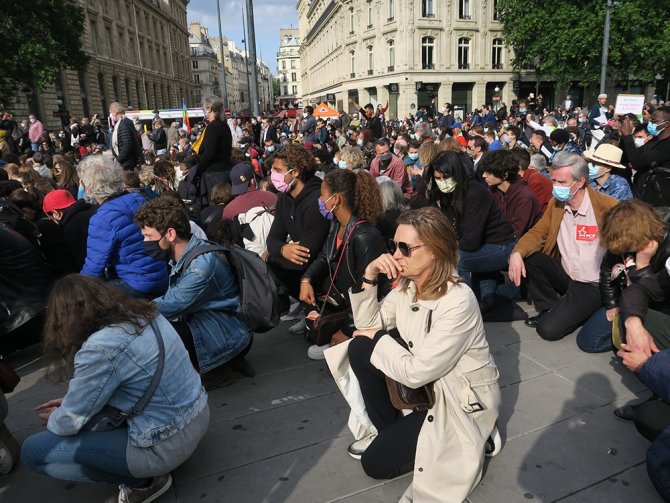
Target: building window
(427, 8)
(283, 64)
(463, 53)
(351, 21)
(391, 48)
(127, 82)
(285, 90)
(82, 93)
(464, 9)
(293, 77)
(391, 9)
(353, 64)
(94, 36)
(292, 64)
(371, 60)
(196, 78)
(242, 96)
(496, 16)
(369, 15)
(195, 64)
(427, 53)
(103, 96)
(294, 89)
(110, 45)
(497, 54)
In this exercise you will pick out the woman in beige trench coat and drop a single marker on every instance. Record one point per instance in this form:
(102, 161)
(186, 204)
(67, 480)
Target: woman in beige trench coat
(439, 319)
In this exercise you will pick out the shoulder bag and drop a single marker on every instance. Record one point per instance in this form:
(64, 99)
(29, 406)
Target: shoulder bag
(110, 418)
(321, 325)
(404, 397)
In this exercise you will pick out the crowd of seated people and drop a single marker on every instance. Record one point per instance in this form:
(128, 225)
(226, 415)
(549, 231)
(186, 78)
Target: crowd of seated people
(413, 229)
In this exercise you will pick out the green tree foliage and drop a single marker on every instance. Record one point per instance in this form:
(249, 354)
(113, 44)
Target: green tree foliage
(276, 87)
(563, 38)
(37, 39)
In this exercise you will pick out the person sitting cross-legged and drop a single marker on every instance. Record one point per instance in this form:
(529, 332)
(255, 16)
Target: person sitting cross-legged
(560, 256)
(203, 296)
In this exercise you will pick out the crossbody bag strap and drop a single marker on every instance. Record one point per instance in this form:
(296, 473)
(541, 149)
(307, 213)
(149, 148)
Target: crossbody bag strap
(339, 261)
(144, 400)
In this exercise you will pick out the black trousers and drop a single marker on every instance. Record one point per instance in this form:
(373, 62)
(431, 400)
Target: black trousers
(393, 452)
(652, 420)
(184, 331)
(566, 303)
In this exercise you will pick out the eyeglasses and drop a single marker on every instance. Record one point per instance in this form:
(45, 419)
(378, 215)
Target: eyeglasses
(405, 249)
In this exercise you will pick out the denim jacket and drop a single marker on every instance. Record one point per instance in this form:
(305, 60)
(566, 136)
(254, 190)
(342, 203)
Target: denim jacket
(114, 367)
(206, 296)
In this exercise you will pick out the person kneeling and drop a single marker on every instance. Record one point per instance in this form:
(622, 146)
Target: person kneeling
(124, 357)
(202, 298)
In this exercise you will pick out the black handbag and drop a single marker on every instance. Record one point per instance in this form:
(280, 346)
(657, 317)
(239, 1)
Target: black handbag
(404, 397)
(322, 324)
(110, 418)
(8, 377)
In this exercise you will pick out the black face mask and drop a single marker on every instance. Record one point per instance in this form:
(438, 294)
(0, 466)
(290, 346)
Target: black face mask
(153, 250)
(385, 160)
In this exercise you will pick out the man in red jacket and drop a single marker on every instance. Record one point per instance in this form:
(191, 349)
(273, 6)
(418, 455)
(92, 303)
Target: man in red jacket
(387, 164)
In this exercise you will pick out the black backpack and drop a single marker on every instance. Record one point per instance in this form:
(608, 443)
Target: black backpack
(259, 295)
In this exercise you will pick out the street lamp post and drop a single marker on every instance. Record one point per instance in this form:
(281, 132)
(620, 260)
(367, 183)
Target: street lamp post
(606, 47)
(223, 58)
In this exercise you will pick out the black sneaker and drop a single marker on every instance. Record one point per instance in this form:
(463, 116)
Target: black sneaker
(625, 413)
(157, 487)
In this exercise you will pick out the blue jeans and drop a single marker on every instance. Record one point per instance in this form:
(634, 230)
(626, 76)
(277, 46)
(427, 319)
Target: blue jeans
(596, 334)
(34, 146)
(479, 269)
(88, 456)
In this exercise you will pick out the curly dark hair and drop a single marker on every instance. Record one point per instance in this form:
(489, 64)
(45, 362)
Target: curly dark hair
(79, 306)
(502, 164)
(360, 191)
(297, 157)
(165, 213)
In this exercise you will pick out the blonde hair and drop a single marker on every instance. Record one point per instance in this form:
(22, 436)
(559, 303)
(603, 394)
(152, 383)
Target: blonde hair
(353, 156)
(437, 234)
(428, 151)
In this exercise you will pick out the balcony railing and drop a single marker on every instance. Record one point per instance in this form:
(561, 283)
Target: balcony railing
(371, 72)
(463, 66)
(428, 66)
(390, 69)
(497, 66)
(390, 20)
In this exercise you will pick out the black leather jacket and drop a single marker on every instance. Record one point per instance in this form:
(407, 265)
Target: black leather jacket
(365, 245)
(610, 289)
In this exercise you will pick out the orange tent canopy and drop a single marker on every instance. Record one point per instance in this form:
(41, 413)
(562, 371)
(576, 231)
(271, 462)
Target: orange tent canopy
(324, 111)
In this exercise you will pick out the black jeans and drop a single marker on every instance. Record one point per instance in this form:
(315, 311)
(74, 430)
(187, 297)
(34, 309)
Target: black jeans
(393, 452)
(547, 280)
(652, 420)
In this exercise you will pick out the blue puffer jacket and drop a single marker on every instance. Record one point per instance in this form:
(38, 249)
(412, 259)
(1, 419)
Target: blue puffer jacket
(115, 241)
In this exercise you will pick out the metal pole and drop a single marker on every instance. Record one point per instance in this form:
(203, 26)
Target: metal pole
(253, 91)
(139, 56)
(246, 57)
(606, 47)
(223, 58)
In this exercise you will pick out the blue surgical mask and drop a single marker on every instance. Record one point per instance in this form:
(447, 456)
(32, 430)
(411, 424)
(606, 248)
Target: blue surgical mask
(653, 128)
(413, 155)
(271, 148)
(563, 194)
(593, 171)
(342, 164)
(327, 214)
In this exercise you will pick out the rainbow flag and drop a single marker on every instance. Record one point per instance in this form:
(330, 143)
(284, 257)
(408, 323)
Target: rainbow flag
(187, 124)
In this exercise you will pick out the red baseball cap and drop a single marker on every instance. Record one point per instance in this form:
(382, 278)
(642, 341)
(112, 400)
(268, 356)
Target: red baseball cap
(57, 200)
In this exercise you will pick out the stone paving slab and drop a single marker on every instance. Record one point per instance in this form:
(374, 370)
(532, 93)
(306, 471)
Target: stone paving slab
(562, 443)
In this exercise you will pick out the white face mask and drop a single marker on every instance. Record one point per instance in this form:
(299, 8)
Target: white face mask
(305, 114)
(639, 142)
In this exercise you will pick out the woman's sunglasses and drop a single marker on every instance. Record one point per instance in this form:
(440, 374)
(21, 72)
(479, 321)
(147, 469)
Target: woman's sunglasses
(405, 249)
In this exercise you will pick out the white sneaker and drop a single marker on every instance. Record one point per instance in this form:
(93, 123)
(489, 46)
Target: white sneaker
(294, 312)
(315, 352)
(357, 449)
(494, 443)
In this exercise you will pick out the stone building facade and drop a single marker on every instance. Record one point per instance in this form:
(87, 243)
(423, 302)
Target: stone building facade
(288, 68)
(204, 62)
(140, 56)
(413, 53)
